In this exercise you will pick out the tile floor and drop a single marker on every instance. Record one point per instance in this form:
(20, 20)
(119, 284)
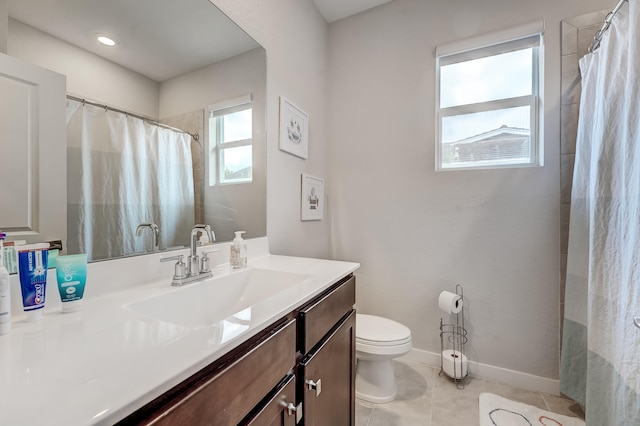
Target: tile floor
(427, 399)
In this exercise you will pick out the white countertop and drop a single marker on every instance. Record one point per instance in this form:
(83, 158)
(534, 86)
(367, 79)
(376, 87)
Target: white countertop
(102, 363)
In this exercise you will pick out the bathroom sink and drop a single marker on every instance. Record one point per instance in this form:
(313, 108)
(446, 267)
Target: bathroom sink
(208, 302)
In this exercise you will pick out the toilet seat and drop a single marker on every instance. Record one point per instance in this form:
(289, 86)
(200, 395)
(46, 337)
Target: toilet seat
(372, 330)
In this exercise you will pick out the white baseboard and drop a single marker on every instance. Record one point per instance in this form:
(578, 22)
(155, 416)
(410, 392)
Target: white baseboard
(490, 372)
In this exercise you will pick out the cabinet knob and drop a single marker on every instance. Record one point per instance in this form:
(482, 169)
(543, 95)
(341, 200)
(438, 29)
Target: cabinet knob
(311, 385)
(293, 409)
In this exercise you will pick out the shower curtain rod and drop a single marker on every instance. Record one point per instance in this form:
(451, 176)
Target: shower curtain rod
(195, 136)
(607, 23)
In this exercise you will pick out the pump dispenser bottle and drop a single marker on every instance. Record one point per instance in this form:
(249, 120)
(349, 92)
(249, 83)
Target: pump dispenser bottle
(238, 251)
(5, 295)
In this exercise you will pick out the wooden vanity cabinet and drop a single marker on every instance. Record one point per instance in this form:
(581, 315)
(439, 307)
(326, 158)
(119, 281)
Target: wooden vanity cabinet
(326, 370)
(299, 371)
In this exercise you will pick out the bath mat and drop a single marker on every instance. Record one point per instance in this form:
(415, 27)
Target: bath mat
(498, 411)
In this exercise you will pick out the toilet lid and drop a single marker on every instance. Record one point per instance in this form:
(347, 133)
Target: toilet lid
(374, 330)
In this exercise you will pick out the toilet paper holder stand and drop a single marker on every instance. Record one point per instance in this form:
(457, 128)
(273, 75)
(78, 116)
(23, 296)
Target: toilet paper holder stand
(453, 337)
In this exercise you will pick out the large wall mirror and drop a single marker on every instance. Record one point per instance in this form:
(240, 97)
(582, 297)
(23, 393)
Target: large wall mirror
(134, 186)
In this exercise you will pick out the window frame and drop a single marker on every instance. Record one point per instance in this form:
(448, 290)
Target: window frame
(530, 36)
(216, 132)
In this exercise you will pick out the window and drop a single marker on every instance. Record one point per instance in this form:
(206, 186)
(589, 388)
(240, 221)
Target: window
(231, 142)
(488, 102)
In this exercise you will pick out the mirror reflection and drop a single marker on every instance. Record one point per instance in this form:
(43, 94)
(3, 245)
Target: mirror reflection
(165, 127)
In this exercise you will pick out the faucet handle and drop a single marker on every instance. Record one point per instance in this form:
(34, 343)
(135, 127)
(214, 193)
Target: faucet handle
(204, 262)
(177, 257)
(180, 268)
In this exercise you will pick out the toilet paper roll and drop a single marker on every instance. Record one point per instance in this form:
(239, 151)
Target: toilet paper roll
(454, 364)
(450, 303)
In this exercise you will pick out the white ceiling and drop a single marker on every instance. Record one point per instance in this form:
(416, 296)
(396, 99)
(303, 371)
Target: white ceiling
(160, 39)
(157, 38)
(332, 10)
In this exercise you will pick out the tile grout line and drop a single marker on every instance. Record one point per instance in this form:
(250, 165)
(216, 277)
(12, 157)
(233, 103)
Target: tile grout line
(546, 404)
(433, 395)
(372, 406)
(371, 414)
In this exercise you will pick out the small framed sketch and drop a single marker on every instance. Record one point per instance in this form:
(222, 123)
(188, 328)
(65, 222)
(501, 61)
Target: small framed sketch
(312, 200)
(294, 129)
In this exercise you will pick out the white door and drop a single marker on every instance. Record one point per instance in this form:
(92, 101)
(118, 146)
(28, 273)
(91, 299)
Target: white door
(33, 154)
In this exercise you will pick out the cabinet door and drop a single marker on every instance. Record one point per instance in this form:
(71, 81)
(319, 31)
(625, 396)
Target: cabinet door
(279, 410)
(328, 378)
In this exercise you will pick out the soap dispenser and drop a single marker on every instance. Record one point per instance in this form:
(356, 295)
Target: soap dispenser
(238, 251)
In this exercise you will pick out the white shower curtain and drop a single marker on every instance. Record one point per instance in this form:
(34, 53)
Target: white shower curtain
(123, 171)
(600, 363)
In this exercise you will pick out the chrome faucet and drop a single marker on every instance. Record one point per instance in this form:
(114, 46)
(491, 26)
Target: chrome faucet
(193, 264)
(155, 232)
(194, 270)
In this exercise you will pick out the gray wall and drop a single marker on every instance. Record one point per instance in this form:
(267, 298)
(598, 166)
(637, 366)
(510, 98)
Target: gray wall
(295, 36)
(417, 232)
(228, 208)
(130, 91)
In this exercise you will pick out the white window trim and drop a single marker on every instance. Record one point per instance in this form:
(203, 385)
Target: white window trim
(218, 109)
(464, 50)
(490, 39)
(221, 107)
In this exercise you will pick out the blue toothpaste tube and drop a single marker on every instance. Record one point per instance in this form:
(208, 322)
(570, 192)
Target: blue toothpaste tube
(32, 268)
(71, 273)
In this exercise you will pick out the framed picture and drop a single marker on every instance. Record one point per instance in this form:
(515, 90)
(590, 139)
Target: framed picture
(294, 129)
(312, 200)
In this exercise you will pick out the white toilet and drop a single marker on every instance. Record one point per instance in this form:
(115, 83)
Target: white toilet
(378, 341)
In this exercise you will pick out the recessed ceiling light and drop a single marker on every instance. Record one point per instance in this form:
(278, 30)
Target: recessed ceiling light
(107, 41)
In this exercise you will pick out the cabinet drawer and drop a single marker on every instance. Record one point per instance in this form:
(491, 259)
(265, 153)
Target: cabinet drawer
(228, 396)
(318, 318)
(275, 411)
